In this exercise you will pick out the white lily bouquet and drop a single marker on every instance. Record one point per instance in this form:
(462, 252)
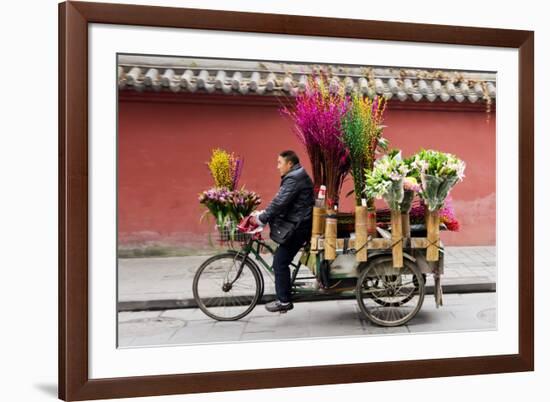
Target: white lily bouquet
(439, 172)
(386, 179)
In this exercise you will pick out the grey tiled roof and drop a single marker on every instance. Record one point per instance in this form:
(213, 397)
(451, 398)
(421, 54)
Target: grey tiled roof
(147, 73)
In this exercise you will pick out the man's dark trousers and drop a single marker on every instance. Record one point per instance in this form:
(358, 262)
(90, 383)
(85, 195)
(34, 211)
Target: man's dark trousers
(282, 258)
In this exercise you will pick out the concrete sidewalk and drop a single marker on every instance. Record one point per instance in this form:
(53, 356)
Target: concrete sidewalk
(461, 312)
(165, 283)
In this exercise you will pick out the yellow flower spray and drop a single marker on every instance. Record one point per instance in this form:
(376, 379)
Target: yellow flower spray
(220, 168)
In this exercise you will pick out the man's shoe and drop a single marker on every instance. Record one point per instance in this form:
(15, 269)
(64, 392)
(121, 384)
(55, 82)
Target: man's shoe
(277, 306)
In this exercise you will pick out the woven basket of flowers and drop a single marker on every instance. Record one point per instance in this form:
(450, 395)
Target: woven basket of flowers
(229, 233)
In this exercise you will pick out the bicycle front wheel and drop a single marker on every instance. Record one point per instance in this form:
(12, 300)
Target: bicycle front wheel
(225, 292)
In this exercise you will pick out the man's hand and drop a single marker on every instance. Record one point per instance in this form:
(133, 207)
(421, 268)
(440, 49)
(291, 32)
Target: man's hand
(254, 218)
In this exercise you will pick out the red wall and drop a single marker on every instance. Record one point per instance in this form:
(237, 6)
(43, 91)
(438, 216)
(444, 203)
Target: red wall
(163, 149)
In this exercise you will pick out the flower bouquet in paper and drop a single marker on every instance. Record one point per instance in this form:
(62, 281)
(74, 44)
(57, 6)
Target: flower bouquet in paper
(386, 179)
(439, 172)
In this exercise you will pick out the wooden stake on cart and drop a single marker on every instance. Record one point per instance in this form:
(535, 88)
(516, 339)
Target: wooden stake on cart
(330, 236)
(361, 236)
(318, 228)
(397, 239)
(432, 228)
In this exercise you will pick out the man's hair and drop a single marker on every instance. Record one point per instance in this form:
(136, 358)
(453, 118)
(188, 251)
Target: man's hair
(290, 156)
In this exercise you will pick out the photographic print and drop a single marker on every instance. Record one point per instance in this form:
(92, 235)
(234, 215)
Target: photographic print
(253, 200)
(264, 200)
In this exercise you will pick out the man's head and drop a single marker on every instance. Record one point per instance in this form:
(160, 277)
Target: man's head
(286, 160)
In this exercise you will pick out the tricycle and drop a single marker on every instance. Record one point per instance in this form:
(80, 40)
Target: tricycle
(228, 286)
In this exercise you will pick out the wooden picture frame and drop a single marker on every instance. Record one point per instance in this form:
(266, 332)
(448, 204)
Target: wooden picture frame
(74, 381)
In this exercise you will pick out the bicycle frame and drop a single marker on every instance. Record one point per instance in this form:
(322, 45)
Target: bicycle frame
(253, 246)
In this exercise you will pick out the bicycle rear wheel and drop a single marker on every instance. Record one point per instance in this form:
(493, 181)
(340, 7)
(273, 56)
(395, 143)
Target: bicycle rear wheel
(222, 292)
(390, 296)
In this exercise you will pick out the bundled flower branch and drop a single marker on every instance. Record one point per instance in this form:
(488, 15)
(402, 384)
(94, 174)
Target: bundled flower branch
(362, 135)
(317, 118)
(227, 204)
(225, 168)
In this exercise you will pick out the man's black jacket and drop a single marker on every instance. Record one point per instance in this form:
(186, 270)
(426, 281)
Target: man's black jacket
(294, 200)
